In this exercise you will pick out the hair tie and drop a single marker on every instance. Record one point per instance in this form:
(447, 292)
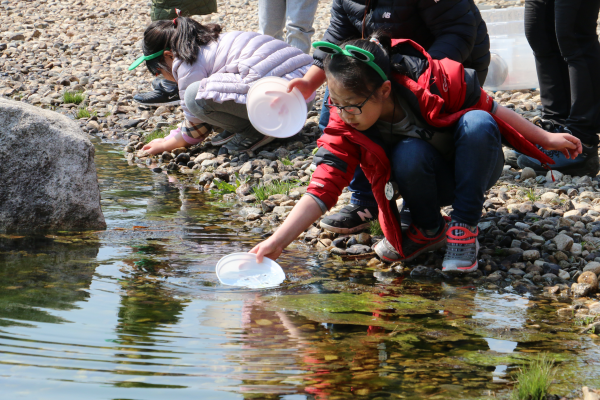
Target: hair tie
(376, 41)
(178, 12)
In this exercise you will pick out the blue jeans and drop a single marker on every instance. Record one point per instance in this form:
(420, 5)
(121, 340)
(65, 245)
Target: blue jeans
(427, 182)
(297, 16)
(362, 193)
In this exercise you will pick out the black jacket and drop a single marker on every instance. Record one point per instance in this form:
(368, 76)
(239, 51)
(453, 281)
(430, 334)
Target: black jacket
(445, 28)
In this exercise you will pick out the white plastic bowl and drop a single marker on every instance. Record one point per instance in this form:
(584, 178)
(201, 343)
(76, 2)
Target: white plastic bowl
(273, 111)
(241, 269)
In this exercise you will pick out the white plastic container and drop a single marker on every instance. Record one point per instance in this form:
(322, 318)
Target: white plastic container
(273, 111)
(241, 269)
(512, 65)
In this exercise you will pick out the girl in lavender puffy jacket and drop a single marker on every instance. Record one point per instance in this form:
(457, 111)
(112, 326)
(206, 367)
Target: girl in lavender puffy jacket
(214, 72)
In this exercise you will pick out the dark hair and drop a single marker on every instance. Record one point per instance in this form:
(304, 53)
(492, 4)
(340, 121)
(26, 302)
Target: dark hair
(355, 75)
(183, 36)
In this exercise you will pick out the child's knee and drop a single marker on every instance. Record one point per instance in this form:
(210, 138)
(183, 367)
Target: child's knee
(478, 127)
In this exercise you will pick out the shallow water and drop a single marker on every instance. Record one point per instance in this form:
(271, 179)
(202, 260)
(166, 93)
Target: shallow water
(137, 312)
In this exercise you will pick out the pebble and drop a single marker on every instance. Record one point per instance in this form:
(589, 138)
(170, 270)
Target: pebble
(593, 267)
(589, 278)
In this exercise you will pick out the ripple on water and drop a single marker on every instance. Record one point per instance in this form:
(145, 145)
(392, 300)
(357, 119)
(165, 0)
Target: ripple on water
(113, 314)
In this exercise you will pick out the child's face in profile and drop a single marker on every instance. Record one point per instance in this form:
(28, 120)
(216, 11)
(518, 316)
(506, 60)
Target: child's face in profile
(371, 110)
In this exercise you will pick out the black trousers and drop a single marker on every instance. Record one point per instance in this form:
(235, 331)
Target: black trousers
(562, 34)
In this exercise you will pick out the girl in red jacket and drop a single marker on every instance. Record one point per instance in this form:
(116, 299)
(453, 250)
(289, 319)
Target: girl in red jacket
(420, 128)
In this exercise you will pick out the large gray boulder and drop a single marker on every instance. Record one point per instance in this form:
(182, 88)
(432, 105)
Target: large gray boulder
(47, 172)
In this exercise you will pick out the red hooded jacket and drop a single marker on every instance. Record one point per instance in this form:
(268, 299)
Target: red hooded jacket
(442, 94)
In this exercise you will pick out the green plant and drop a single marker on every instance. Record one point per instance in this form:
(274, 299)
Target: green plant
(534, 380)
(286, 161)
(73, 97)
(226, 187)
(375, 228)
(262, 192)
(83, 112)
(531, 195)
(159, 133)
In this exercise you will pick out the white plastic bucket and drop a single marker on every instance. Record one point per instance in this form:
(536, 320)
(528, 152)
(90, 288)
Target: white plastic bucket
(241, 269)
(273, 111)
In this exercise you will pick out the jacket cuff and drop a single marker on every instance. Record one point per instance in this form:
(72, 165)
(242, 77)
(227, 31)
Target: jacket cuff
(320, 202)
(318, 63)
(494, 107)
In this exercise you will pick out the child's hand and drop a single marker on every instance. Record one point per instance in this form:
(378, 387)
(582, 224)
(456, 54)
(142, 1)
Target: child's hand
(270, 248)
(567, 144)
(303, 85)
(154, 147)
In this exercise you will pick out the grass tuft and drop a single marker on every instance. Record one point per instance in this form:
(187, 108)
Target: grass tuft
(73, 97)
(375, 228)
(159, 134)
(84, 113)
(534, 380)
(226, 187)
(286, 161)
(531, 195)
(263, 192)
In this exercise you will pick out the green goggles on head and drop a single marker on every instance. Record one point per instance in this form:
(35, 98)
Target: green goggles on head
(140, 60)
(351, 51)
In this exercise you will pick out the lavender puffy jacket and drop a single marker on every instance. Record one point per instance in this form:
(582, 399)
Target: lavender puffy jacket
(227, 68)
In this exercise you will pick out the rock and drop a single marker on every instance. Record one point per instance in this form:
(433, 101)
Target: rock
(182, 158)
(205, 178)
(495, 276)
(49, 179)
(562, 274)
(588, 394)
(338, 251)
(281, 153)
(364, 239)
(421, 271)
(358, 249)
(282, 209)
(576, 249)
(563, 242)
(340, 242)
(527, 173)
(593, 267)
(243, 190)
(267, 206)
(245, 211)
(323, 244)
(248, 199)
(246, 168)
(580, 289)
(531, 255)
(554, 174)
(549, 197)
(590, 278)
(549, 268)
(516, 271)
(204, 156)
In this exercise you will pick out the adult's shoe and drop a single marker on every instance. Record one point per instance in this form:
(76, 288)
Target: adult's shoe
(350, 219)
(165, 93)
(584, 164)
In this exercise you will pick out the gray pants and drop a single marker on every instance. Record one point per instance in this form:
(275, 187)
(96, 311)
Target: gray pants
(228, 115)
(296, 15)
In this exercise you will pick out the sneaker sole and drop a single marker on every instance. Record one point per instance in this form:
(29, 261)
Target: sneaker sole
(262, 142)
(433, 247)
(472, 268)
(335, 229)
(169, 103)
(222, 141)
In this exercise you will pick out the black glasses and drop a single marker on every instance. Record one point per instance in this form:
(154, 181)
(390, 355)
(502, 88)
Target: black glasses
(353, 110)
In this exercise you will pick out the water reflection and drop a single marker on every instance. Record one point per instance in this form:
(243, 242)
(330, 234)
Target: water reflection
(137, 312)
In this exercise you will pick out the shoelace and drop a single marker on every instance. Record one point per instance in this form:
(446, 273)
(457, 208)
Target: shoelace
(461, 242)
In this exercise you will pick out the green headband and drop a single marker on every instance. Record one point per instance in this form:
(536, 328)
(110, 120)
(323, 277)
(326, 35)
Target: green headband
(140, 60)
(351, 51)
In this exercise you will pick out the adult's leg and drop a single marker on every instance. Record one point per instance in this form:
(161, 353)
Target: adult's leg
(271, 17)
(300, 15)
(552, 70)
(228, 115)
(576, 22)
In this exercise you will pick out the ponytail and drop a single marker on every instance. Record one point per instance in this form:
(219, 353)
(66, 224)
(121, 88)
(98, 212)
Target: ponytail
(182, 35)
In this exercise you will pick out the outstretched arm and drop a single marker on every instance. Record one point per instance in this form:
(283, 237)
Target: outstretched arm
(302, 216)
(566, 143)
